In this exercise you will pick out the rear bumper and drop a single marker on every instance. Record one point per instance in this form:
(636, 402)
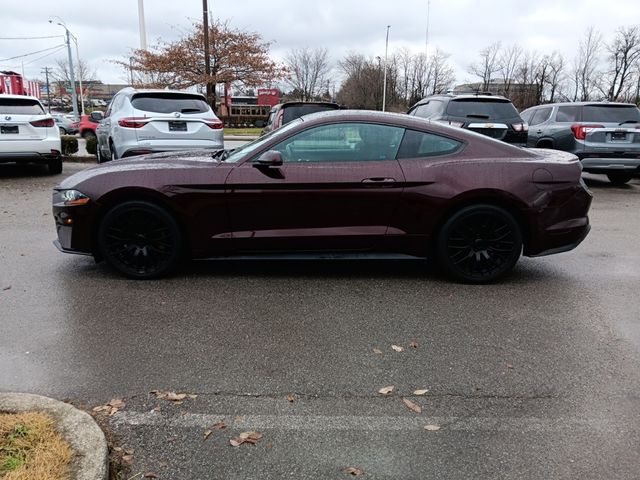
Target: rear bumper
(569, 241)
(158, 146)
(27, 157)
(607, 163)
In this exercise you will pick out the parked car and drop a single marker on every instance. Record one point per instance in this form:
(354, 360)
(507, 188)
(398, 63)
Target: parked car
(28, 133)
(346, 183)
(283, 113)
(66, 126)
(89, 123)
(146, 121)
(605, 136)
(490, 115)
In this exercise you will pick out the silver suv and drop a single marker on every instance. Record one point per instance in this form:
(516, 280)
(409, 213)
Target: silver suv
(605, 136)
(138, 122)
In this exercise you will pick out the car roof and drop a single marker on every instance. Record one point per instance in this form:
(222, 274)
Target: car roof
(292, 104)
(583, 104)
(463, 96)
(133, 91)
(28, 97)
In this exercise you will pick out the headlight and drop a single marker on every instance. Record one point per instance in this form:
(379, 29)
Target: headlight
(74, 197)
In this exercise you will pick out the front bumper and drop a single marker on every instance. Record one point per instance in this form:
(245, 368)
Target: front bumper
(74, 226)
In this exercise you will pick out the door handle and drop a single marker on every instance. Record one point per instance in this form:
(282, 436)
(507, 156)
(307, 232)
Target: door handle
(538, 131)
(378, 182)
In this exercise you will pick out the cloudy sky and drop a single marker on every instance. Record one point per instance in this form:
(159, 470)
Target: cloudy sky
(108, 30)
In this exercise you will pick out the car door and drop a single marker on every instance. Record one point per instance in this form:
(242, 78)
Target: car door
(337, 189)
(537, 128)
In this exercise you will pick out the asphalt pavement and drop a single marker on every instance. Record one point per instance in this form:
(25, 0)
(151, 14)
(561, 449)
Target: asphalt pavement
(535, 377)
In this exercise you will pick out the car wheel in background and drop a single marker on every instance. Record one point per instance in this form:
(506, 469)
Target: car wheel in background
(55, 165)
(63, 131)
(113, 155)
(99, 156)
(479, 244)
(88, 134)
(140, 240)
(619, 178)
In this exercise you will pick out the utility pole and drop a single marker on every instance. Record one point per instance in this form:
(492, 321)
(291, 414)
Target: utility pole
(74, 97)
(143, 30)
(46, 75)
(207, 62)
(384, 82)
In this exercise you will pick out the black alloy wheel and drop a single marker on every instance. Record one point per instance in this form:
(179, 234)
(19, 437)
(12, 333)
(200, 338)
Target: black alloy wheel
(479, 244)
(140, 240)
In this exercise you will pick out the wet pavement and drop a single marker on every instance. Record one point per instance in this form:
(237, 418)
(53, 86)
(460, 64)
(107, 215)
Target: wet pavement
(535, 377)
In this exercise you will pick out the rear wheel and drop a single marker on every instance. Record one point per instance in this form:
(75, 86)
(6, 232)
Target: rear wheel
(619, 178)
(113, 155)
(140, 240)
(479, 244)
(63, 131)
(55, 165)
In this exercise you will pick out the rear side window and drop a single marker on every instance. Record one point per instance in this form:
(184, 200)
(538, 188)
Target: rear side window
(568, 114)
(610, 113)
(19, 106)
(484, 109)
(541, 115)
(297, 111)
(169, 103)
(428, 110)
(421, 144)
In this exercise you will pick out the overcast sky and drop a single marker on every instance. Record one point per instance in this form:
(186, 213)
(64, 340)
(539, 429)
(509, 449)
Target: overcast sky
(108, 30)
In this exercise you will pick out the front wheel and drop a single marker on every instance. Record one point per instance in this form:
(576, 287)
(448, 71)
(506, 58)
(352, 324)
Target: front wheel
(619, 178)
(479, 244)
(140, 240)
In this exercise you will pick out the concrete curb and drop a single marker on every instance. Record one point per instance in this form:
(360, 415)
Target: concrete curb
(78, 428)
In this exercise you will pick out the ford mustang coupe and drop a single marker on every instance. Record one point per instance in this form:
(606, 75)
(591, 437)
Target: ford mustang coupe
(349, 184)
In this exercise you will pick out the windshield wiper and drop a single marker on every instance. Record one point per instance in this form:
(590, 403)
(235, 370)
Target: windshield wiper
(220, 153)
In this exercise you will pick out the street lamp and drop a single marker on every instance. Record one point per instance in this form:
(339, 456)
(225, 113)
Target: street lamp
(74, 98)
(384, 82)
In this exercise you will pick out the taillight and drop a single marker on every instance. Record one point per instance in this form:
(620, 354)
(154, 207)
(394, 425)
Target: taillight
(47, 122)
(580, 131)
(133, 122)
(213, 123)
(521, 127)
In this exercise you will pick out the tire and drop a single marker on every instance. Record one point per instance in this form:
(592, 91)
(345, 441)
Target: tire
(87, 134)
(619, 178)
(113, 155)
(140, 240)
(99, 156)
(63, 131)
(55, 165)
(479, 244)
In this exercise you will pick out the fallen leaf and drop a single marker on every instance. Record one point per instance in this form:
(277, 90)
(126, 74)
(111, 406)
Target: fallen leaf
(207, 434)
(150, 475)
(432, 428)
(377, 351)
(163, 464)
(130, 451)
(174, 397)
(508, 365)
(420, 392)
(117, 449)
(414, 407)
(8, 287)
(218, 426)
(127, 459)
(111, 408)
(353, 471)
(397, 348)
(291, 398)
(238, 418)
(413, 344)
(251, 437)
(386, 390)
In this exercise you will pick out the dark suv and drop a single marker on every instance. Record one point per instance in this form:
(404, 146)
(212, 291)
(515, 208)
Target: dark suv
(283, 113)
(605, 136)
(489, 115)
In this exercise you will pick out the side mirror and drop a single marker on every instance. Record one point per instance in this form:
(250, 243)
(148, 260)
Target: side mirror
(271, 158)
(96, 116)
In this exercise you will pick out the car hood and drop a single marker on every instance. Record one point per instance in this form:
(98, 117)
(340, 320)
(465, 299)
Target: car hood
(141, 169)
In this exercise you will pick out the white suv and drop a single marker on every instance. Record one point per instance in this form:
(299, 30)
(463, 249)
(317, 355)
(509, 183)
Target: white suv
(28, 133)
(138, 122)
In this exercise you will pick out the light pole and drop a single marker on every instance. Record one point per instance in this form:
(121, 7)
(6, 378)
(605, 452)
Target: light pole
(384, 82)
(74, 97)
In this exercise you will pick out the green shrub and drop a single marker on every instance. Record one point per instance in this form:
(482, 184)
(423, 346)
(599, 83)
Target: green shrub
(91, 144)
(69, 144)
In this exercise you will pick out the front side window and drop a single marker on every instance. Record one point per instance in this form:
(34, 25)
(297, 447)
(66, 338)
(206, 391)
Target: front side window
(421, 144)
(342, 142)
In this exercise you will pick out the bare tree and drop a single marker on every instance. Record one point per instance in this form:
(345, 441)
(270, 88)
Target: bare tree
(488, 64)
(81, 71)
(441, 73)
(308, 71)
(556, 74)
(585, 67)
(623, 56)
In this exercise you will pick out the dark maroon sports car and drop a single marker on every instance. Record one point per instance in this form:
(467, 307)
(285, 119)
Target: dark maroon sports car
(337, 184)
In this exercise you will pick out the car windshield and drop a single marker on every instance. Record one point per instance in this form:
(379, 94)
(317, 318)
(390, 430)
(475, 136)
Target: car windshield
(20, 106)
(296, 111)
(490, 109)
(610, 113)
(247, 148)
(169, 103)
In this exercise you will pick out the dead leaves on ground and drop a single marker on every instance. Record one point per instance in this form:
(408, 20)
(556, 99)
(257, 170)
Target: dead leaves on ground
(397, 348)
(386, 390)
(176, 398)
(251, 437)
(291, 398)
(215, 426)
(432, 428)
(111, 408)
(414, 407)
(421, 392)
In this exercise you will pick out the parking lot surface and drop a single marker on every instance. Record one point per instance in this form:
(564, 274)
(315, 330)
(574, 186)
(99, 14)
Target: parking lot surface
(534, 377)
